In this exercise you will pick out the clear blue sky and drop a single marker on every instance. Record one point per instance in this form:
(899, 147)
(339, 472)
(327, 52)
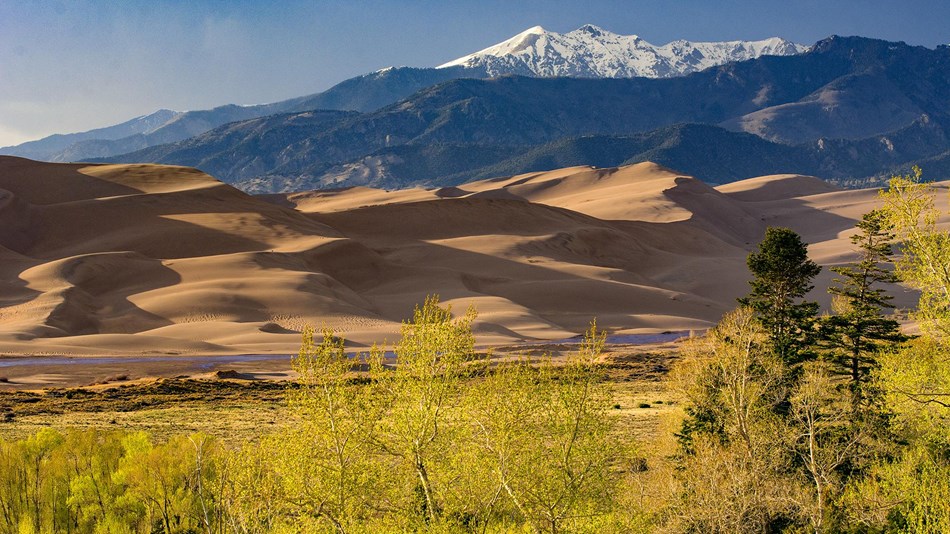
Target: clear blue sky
(74, 65)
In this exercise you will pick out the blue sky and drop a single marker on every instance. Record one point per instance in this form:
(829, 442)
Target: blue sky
(75, 65)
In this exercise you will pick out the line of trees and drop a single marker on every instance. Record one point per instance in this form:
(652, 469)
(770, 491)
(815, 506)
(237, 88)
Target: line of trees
(440, 440)
(837, 423)
(107, 482)
(444, 440)
(792, 422)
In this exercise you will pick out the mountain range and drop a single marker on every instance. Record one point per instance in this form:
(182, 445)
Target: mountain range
(850, 109)
(593, 52)
(588, 51)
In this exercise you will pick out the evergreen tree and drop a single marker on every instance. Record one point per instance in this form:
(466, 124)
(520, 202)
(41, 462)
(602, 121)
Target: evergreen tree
(782, 275)
(859, 329)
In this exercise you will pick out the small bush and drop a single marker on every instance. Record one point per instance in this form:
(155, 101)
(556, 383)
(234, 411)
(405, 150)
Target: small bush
(638, 465)
(644, 405)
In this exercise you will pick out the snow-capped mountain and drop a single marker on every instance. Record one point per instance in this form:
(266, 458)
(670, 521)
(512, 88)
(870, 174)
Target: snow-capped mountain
(592, 52)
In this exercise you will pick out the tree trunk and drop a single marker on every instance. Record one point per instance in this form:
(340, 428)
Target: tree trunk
(431, 510)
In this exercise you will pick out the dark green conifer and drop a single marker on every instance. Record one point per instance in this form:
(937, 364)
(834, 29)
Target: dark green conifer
(859, 329)
(781, 277)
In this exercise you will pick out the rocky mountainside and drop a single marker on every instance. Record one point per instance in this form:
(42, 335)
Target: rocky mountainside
(593, 52)
(47, 147)
(596, 53)
(464, 129)
(711, 153)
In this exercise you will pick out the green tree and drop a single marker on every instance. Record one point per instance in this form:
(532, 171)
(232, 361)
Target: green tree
(908, 494)
(253, 496)
(734, 475)
(164, 482)
(859, 329)
(825, 441)
(91, 458)
(909, 206)
(920, 374)
(421, 394)
(907, 490)
(545, 433)
(781, 277)
(324, 462)
(33, 485)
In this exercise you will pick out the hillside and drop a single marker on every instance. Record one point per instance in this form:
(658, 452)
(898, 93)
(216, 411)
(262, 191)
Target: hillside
(375, 90)
(468, 129)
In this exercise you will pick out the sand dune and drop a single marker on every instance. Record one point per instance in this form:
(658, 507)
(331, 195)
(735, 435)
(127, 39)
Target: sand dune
(146, 259)
(776, 187)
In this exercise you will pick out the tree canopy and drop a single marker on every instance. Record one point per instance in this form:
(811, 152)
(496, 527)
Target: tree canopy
(782, 275)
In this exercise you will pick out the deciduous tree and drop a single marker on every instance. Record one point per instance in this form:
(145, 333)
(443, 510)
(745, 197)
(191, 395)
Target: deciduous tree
(735, 474)
(909, 207)
(545, 432)
(421, 396)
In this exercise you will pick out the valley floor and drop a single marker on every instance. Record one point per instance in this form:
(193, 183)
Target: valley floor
(242, 401)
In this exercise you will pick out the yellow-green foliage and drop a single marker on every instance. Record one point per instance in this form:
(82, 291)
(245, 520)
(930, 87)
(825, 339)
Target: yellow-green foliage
(917, 379)
(908, 494)
(909, 491)
(436, 440)
(735, 474)
(910, 207)
(420, 399)
(916, 383)
(107, 482)
(324, 466)
(544, 438)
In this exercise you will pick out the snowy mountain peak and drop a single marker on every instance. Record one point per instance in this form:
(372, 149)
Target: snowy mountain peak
(593, 31)
(593, 52)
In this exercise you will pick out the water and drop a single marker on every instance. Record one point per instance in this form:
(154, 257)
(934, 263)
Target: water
(202, 362)
(209, 362)
(629, 339)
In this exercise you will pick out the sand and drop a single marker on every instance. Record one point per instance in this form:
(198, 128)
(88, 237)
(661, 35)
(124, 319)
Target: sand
(132, 260)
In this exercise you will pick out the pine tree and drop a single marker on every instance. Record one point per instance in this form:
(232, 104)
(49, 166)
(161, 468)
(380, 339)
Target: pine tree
(859, 329)
(782, 274)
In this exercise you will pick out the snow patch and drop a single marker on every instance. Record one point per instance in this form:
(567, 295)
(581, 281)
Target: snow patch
(593, 52)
